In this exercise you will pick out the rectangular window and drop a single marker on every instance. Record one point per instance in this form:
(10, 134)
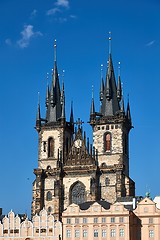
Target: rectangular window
(95, 233)
(121, 219)
(85, 233)
(84, 220)
(112, 220)
(151, 233)
(113, 232)
(68, 221)
(77, 220)
(95, 220)
(103, 220)
(121, 232)
(104, 233)
(150, 220)
(68, 233)
(77, 233)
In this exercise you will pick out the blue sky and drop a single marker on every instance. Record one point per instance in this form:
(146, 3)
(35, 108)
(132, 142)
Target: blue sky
(27, 33)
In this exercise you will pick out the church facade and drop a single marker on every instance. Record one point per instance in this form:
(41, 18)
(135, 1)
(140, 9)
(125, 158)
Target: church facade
(70, 170)
(84, 191)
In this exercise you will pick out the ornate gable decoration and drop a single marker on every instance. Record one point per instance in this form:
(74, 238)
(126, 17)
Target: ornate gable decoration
(79, 152)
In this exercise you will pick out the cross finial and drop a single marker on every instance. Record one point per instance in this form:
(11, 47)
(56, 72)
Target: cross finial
(101, 71)
(47, 76)
(38, 97)
(119, 68)
(55, 50)
(110, 42)
(79, 123)
(63, 72)
(92, 91)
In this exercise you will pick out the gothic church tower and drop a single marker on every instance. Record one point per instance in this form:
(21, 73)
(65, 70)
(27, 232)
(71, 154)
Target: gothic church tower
(55, 138)
(111, 127)
(71, 170)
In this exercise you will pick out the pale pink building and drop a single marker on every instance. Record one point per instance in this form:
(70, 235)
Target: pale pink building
(100, 221)
(149, 216)
(42, 226)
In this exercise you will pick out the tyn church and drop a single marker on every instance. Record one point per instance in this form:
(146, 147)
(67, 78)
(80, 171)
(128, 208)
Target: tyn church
(71, 170)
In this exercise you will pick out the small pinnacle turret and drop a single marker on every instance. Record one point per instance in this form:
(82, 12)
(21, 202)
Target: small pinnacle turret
(119, 87)
(63, 102)
(71, 116)
(38, 117)
(128, 113)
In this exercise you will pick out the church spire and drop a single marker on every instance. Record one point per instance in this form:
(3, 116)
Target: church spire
(63, 99)
(102, 85)
(38, 117)
(92, 111)
(54, 110)
(110, 104)
(128, 112)
(71, 115)
(119, 87)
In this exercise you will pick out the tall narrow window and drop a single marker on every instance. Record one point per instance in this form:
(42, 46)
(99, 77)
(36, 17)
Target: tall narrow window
(68, 233)
(121, 232)
(49, 210)
(95, 233)
(49, 196)
(151, 233)
(107, 142)
(50, 147)
(104, 234)
(113, 232)
(85, 233)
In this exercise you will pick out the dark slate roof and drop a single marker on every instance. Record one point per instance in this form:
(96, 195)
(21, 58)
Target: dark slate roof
(110, 103)
(125, 199)
(86, 205)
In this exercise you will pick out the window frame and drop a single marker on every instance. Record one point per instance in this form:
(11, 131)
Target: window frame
(107, 142)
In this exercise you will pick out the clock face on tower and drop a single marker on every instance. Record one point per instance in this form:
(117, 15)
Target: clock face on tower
(78, 143)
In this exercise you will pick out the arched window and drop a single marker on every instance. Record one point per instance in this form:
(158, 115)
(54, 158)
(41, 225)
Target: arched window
(50, 147)
(107, 142)
(49, 196)
(77, 194)
(49, 210)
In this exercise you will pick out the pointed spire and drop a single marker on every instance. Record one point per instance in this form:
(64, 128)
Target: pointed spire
(38, 117)
(63, 98)
(110, 105)
(53, 101)
(38, 112)
(128, 112)
(47, 92)
(119, 87)
(92, 111)
(110, 43)
(71, 115)
(108, 89)
(122, 105)
(102, 84)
